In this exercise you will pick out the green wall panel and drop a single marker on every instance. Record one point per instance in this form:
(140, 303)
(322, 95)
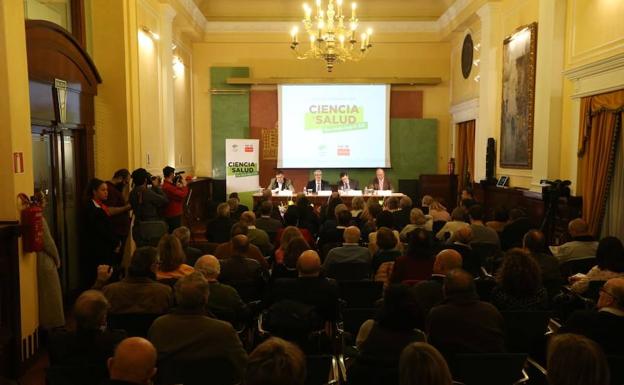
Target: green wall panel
(230, 114)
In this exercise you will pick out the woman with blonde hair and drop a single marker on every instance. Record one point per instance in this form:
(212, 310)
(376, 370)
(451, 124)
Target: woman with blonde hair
(438, 212)
(172, 258)
(422, 364)
(573, 359)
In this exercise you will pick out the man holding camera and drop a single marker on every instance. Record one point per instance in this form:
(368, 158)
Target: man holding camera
(175, 188)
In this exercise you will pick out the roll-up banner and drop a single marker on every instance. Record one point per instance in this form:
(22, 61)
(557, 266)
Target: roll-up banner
(242, 168)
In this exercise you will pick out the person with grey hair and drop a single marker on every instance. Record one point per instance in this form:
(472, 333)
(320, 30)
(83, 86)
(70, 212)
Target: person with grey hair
(457, 222)
(582, 244)
(188, 334)
(183, 233)
(218, 229)
(224, 301)
(89, 343)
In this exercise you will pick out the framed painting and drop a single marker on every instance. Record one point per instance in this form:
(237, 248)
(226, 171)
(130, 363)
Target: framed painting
(516, 142)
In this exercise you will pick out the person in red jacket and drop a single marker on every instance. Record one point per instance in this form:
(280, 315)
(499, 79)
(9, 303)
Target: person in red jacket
(176, 190)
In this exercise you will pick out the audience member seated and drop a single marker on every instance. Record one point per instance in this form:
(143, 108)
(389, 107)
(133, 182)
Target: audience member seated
(402, 217)
(357, 207)
(582, 245)
(462, 323)
(438, 212)
(381, 341)
(309, 288)
(480, 232)
(256, 236)
(500, 220)
(609, 264)
(606, 324)
(333, 233)
(417, 263)
(134, 363)
(172, 259)
(430, 293)
(291, 219)
(350, 251)
(418, 220)
(306, 217)
(239, 268)
(514, 230)
(457, 222)
(519, 284)
(535, 242)
(383, 260)
(573, 360)
(188, 334)
(391, 204)
(460, 241)
(383, 219)
(90, 344)
(368, 217)
(467, 198)
(236, 208)
(266, 222)
(293, 250)
(218, 229)
(192, 254)
(226, 250)
(224, 301)
(422, 364)
(327, 212)
(138, 292)
(276, 362)
(284, 236)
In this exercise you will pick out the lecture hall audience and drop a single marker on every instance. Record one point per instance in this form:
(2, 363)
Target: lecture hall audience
(171, 259)
(134, 363)
(609, 264)
(582, 245)
(573, 359)
(417, 263)
(218, 229)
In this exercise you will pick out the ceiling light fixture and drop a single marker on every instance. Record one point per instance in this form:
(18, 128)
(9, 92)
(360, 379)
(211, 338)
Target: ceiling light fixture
(332, 36)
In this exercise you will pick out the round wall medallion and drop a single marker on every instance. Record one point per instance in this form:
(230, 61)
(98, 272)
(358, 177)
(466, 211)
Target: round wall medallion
(467, 56)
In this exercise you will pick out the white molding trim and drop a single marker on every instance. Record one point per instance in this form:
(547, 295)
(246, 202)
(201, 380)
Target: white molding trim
(194, 11)
(285, 26)
(465, 111)
(598, 77)
(451, 13)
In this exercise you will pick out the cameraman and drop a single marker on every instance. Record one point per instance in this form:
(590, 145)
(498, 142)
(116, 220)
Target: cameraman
(175, 188)
(147, 199)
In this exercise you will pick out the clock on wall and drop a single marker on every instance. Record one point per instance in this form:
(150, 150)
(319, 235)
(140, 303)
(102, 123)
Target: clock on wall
(467, 56)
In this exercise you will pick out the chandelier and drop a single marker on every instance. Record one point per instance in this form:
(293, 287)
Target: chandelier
(332, 36)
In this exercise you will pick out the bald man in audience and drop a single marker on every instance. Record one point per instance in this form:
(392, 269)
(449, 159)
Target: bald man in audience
(430, 293)
(582, 245)
(226, 250)
(605, 325)
(463, 323)
(90, 343)
(309, 288)
(188, 334)
(239, 268)
(350, 251)
(134, 363)
(224, 301)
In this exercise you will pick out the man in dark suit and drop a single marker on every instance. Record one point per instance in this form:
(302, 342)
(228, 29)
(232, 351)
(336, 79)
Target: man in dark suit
(239, 268)
(266, 222)
(318, 184)
(430, 293)
(380, 182)
(188, 333)
(134, 363)
(346, 183)
(279, 182)
(309, 288)
(463, 323)
(605, 325)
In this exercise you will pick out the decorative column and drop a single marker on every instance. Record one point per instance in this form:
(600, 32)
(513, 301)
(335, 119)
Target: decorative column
(548, 91)
(489, 70)
(167, 14)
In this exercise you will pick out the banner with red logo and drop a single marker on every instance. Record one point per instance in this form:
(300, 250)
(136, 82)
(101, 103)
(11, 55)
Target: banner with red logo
(242, 165)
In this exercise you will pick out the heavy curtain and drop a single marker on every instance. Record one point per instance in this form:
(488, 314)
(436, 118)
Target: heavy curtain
(613, 223)
(465, 153)
(601, 123)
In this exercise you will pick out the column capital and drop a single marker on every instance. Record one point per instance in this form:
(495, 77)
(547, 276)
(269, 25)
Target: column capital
(489, 11)
(167, 12)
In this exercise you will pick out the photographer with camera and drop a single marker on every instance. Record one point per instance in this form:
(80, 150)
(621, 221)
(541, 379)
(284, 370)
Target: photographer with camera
(147, 200)
(176, 190)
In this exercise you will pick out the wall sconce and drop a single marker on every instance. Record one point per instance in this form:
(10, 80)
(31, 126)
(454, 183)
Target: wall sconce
(477, 47)
(178, 66)
(151, 33)
(476, 62)
(477, 78)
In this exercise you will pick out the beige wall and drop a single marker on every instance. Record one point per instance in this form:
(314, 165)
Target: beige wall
(462, 89)
(15, 115)
(267, 55)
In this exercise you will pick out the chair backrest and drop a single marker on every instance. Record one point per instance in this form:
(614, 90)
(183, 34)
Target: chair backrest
(168, 281)
(373, 371)
(326, 247)
(352, 319)
(348, 271)
(575, 266)
(213, 371)
(249, 291)
(484, 286)
(616, 365)
(361, 294)
(489, 369)
(437, 226)
(487, 253)
(593, 290)
(525, 330)
(321, 370)
(76, 375)
(135, 324)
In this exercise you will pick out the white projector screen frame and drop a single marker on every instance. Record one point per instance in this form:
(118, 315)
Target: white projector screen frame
(324, 126)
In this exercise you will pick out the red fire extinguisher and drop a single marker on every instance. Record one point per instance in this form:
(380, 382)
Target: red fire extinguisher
(32, 224)
(451, 166)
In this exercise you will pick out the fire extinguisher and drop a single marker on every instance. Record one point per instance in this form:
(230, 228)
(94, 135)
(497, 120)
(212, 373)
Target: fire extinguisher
(451, 166)
(32, 224)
